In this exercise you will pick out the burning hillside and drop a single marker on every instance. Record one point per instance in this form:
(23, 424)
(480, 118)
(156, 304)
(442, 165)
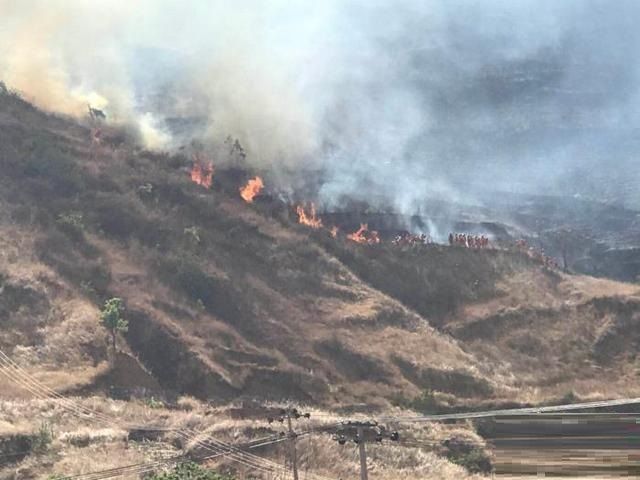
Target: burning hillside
(308, 203)
(228, 297)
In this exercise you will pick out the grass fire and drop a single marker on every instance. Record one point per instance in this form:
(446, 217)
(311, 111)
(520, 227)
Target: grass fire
(310, 220)
(319, 240)
(202, 173)
(251, 189)
(364, 235)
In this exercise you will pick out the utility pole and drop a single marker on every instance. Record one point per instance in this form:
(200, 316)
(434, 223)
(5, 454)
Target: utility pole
(363, 454)
(292, 448)
(288, 414)
(361, 433)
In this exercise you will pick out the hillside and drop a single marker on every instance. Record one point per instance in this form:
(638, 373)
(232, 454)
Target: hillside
(223, 298)
(227, 299)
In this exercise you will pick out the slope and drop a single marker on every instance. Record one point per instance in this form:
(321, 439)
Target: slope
(231, 300)
(224, 299)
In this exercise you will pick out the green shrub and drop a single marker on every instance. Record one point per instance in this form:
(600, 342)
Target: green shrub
(43, 438)
(474, 461)
(189, 471)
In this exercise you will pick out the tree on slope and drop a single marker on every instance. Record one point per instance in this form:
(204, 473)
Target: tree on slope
(111, 316)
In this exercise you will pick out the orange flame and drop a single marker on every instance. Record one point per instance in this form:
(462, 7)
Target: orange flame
(312, 220)
(251, 189)
(202, 175)
(201, 172)
(364, 235)
(334, 231)
(358, 235)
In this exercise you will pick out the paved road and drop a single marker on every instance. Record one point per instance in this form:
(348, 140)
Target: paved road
(577, 445)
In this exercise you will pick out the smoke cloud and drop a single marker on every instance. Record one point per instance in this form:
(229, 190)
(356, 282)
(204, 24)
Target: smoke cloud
(398, 102)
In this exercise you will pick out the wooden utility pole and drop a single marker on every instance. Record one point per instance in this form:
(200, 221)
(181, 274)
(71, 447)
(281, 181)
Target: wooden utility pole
(361, 433)
(363, 454)
(292, 448)
(290, 414)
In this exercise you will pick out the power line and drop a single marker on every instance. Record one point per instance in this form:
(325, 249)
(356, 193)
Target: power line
(140, 468)
(512, 411)
(18, 375)
(145, 467)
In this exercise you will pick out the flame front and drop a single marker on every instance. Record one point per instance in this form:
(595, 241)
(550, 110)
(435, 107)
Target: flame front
(364, 235)
(311, 220)
(334, 231)
(202, 175)
(251, 189)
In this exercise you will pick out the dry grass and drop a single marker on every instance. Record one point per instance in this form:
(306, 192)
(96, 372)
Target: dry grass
(253, 306)
(541, 335)
(81, 445)
(249, 303)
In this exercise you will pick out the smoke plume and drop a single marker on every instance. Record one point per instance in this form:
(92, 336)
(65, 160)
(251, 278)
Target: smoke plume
(395, 102)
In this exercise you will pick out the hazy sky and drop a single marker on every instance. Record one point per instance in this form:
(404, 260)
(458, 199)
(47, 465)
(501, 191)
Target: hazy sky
(407, 98)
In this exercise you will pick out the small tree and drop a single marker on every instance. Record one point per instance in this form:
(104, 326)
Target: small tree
(42, 440)
(111, 316)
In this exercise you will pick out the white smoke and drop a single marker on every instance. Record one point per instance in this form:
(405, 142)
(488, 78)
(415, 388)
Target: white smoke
(410, 99)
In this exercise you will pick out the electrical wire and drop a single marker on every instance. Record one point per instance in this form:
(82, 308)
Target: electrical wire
(512, 411)
(18, 375)
(144, 467)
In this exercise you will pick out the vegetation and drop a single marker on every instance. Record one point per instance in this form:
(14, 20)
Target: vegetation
(190, 471)
(429, 280)
(474, 460)
(43, 438)
(152, 402)
(426, 403)
(111, 316)
(71, 224)
(292, 301)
